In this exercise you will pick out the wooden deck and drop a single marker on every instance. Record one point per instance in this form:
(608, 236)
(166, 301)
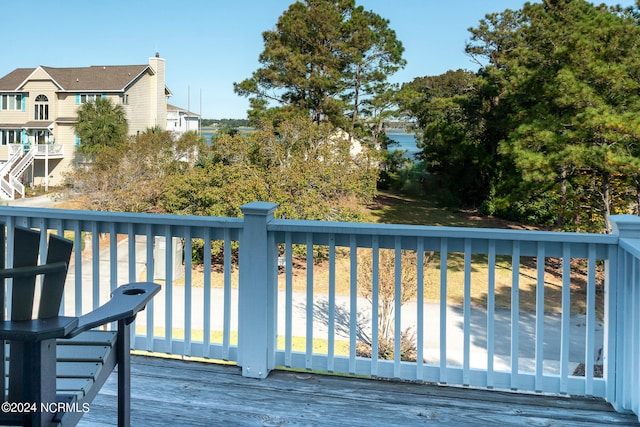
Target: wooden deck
(176, 393)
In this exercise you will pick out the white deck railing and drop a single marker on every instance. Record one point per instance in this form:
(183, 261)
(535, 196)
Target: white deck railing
(263, 311)
(48, 150)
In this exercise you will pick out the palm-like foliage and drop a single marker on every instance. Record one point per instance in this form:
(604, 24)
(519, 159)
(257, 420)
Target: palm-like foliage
(100, 124)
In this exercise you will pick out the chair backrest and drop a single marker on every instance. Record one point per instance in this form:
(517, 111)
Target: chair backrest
(26, 248)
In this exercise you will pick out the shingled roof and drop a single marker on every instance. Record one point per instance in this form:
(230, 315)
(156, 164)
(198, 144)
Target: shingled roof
(188, 113)
(12, 80)
(108, 78)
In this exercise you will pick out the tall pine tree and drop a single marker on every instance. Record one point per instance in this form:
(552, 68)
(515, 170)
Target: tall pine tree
(324, 60)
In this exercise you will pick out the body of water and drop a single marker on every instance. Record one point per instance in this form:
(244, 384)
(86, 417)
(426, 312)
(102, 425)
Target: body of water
(406, 141)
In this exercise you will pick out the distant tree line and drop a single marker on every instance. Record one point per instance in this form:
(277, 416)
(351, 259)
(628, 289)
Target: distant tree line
(240, 123)
(230, 123)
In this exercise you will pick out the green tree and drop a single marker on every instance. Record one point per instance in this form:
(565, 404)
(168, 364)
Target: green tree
(100, 124)
(573, 98)
(450, 135)
(374, 53)
(376, 112)
(548, 129)
(324, 58)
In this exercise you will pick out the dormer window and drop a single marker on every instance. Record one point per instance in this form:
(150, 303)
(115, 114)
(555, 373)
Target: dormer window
(41, 107)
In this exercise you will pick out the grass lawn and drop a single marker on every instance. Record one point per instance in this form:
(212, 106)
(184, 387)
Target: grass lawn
(397, 209)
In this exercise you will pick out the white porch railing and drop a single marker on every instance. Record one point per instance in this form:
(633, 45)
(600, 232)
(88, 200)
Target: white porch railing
(249, 312)
(42, 151)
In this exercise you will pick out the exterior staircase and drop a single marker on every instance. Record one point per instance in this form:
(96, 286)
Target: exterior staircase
(11, 172)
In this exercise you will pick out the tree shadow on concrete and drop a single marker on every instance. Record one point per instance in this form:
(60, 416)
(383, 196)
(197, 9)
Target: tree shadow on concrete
(341, 320)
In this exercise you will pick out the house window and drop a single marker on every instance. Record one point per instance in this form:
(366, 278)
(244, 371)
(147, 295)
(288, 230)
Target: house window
(83, 98)
(41, 107)
(11, 102)
(88, 97)
(9, 136)
(125, 99)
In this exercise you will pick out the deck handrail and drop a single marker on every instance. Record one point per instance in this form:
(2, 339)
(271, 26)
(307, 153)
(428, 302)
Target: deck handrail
(7, 188)
(16, 152)
(251, 294)
(17, 171)
(16, 184)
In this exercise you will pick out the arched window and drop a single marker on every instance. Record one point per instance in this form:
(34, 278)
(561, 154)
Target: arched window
(41, 108)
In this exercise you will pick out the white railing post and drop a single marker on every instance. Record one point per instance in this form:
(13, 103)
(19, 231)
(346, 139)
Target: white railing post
(625, 315)
(257, 293)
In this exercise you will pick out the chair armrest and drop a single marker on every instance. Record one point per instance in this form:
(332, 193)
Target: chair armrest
(37, 329)
(125, 303)
(31, 271)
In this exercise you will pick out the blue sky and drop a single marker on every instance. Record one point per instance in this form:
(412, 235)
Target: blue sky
(210, 44)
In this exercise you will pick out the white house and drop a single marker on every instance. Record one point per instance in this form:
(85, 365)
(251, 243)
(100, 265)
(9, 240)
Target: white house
(181, 121)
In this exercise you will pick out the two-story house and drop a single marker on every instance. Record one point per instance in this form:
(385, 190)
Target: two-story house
(38, 113)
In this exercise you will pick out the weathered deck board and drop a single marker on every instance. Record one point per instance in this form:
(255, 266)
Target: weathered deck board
(172, 392)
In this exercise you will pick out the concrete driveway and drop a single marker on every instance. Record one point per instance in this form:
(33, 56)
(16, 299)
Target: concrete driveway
(44, 201)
